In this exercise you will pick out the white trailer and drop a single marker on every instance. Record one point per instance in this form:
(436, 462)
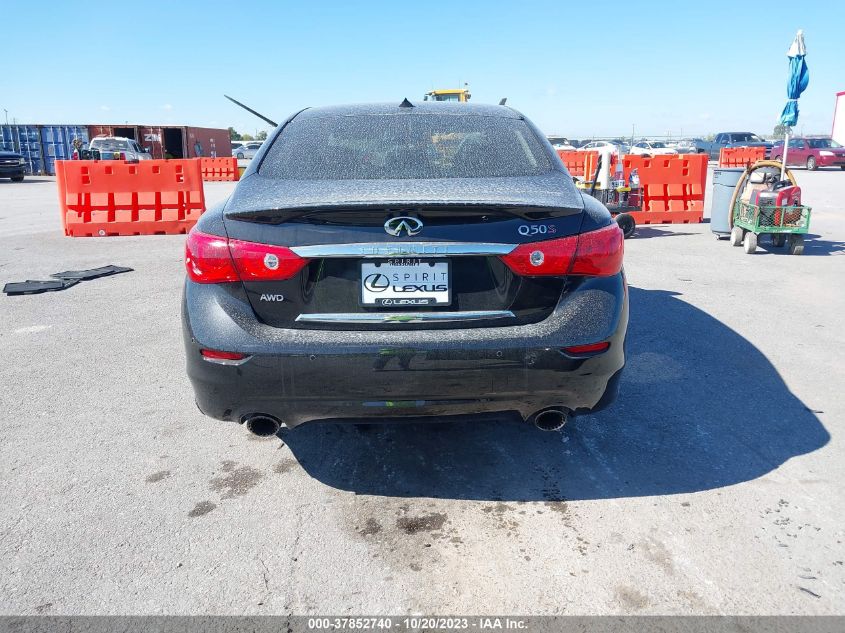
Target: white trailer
(837, 132)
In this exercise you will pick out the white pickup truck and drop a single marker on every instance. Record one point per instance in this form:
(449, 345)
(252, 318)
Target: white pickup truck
(118, 148)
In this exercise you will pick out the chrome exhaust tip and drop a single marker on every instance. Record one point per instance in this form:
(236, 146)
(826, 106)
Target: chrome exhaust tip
(551, 419)
(262, 425)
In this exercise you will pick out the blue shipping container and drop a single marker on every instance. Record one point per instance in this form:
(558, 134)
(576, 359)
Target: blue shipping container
(26, 140)
(42, 145)
(57, 143)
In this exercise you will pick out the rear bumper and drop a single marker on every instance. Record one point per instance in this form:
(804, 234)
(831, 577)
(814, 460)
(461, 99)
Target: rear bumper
(307, 375)
(830, 161)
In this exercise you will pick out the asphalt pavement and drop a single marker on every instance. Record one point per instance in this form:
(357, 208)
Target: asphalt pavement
(713, 486)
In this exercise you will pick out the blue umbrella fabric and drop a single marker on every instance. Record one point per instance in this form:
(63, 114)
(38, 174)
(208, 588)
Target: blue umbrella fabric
(799, 77)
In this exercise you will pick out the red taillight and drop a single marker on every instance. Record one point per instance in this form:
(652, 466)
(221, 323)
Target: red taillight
(210, 259)
(264, 262)
(585, 350)
(552, 257)
(600, 252)
(215, 354)
(597, 253)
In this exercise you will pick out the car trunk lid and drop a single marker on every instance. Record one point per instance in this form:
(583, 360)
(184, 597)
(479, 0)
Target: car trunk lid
(465, 225)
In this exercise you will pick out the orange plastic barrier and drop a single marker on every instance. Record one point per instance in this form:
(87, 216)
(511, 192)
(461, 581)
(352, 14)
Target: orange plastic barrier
(581, 164)
(217, 169)
(740, 156)
(672, 188)
(630, 162)
(150, 197)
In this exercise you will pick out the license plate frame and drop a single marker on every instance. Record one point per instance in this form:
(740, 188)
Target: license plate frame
(370, 267)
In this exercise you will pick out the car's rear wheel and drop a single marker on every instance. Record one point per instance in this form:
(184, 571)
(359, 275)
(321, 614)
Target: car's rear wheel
(811, 163)
(240, 155)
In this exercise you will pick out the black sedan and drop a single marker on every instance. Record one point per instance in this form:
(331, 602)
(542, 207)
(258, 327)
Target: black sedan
(12, 165)
(396, 262)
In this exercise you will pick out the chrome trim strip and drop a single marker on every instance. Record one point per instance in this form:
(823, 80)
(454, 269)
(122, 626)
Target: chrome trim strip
(402, 249)
(403, 317)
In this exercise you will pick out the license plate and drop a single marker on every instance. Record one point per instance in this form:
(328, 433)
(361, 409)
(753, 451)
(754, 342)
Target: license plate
(405, 282)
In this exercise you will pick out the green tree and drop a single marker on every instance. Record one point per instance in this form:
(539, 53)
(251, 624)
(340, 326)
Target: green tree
(233, 135)
(247, 137)
(781, 131)
(262, 136)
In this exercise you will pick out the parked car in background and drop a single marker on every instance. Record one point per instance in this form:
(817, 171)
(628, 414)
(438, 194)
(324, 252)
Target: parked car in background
(652, 148)
(353, 276)
(688, 146)
(248, 149)
(562, 143)
(733, 139)
(616, 148)
(811, 153)
(12, 165)
(118, 148)
(236, 145)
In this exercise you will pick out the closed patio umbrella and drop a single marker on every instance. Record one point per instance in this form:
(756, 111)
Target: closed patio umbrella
(799, 77)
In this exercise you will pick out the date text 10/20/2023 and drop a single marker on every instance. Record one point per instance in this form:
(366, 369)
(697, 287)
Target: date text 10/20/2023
(416, 623)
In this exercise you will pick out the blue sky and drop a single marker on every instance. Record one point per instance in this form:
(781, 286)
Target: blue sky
(575, 68)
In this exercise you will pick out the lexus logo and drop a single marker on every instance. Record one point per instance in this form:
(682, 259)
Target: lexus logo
(395, 226)
(376, 282)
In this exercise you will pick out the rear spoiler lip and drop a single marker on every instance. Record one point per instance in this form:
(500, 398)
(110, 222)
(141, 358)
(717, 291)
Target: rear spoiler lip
(517, 209)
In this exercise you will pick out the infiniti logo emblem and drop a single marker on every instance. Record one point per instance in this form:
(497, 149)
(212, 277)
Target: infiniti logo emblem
(395, 226)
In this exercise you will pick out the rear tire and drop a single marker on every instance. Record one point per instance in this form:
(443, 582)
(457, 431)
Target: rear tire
(627, 223)
(811, 163)
(240, 156)
(17, 179)
(749, 242)
(736, 236)
(796, 244)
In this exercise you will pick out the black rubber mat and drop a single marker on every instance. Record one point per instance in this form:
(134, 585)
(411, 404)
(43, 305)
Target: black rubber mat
(31, 287)
(61, 280)
(92, 273)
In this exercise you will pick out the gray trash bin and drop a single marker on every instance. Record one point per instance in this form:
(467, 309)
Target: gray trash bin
(724, 182)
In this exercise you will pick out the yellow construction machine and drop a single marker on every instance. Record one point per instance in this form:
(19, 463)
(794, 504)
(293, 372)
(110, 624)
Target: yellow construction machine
(461, 95)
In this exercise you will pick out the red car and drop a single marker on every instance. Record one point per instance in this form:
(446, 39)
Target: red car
(811, 153)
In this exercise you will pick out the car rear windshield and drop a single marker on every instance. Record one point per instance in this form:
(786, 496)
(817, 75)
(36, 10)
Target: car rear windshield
(109, 144)
(405, 146)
